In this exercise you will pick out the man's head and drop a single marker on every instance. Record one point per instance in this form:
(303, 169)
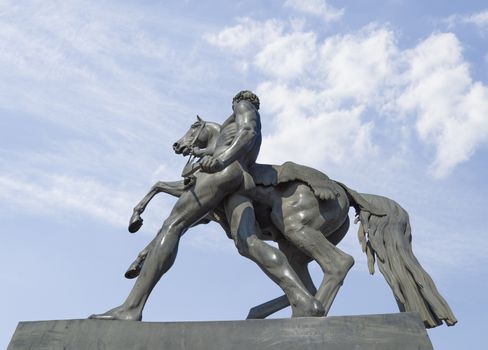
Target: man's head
(248, 96)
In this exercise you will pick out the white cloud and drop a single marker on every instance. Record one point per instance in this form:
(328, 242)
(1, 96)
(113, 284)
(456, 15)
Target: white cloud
(246, 34)
(479, 19)
(318, 8)
(451, 109)
(327, 90)
(288, 56)
(306, 134)
(358, 65)
(102, 84)
(58, 193)
(317, 89)
(96, 66)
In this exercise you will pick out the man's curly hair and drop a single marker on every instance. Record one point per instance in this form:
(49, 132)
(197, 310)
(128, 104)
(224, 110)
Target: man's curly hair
(248, 96)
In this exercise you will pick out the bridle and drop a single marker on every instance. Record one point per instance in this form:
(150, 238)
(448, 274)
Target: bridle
(190, 168)
(197, 135)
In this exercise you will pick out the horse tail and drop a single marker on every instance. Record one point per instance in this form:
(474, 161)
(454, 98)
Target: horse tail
(386, 240)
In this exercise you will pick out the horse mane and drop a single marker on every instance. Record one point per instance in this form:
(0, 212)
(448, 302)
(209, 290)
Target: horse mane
(217, 126)
(214, 130)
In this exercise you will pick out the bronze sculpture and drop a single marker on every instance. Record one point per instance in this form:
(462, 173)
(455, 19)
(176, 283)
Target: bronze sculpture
(300, 208)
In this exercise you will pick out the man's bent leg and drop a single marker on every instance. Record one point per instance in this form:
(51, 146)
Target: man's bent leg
(240, 214)
(190, 207)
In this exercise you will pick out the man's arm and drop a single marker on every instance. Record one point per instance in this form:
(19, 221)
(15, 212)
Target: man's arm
(201, 152)
(248, 128)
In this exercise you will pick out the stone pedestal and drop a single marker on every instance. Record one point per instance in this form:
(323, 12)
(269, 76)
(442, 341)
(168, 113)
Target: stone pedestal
(403, 331)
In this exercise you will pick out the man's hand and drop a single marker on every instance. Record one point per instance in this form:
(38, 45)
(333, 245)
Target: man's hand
(210, 164)
(198, 152)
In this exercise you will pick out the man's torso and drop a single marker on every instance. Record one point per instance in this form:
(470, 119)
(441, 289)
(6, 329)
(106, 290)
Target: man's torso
(229, 131)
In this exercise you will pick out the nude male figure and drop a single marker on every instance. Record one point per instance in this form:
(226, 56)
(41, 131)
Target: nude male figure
(223, 178)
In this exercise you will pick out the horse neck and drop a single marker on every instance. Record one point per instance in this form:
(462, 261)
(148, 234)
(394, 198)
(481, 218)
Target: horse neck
(213, 130)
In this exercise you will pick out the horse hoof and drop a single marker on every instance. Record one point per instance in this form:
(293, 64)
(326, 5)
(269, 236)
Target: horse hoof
(135, 223)
(132, 273)
(134, 269)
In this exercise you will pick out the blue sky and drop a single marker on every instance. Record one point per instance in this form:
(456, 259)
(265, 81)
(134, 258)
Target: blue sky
(387, 96)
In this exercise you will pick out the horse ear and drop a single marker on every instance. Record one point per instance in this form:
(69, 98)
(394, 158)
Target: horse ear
(199, 119)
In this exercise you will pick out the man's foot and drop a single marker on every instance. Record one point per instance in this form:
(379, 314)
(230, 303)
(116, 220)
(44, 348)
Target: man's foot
(134, 268)
(307, 307)
(135, 222)
(118, 313)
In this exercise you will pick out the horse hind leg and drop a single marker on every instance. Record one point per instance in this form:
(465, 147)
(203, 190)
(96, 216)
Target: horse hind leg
(334, 262)
(334, 278)
(299, 262)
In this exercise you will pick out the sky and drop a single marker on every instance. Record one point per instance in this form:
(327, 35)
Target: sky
(387, 96)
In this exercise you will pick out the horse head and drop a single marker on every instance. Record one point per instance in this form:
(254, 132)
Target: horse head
(196, 136)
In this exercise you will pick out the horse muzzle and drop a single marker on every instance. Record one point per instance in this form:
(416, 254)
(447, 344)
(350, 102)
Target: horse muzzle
(181, 149)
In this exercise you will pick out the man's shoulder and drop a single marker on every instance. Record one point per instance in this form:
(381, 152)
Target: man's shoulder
(244, 107)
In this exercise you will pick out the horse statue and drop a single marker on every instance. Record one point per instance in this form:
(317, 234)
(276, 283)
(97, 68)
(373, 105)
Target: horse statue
(306, 213)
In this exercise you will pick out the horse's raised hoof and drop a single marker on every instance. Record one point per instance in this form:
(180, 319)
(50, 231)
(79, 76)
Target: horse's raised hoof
(135, 223)
(134, 269)
(118, 313)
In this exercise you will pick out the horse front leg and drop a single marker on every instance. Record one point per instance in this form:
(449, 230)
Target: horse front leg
(174, 188)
